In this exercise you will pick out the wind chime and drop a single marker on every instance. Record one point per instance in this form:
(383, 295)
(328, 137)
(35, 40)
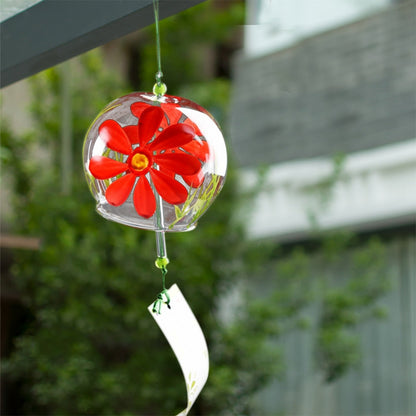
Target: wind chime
(157, 162)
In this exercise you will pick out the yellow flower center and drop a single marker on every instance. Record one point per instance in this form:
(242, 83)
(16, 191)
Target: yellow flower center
(139, 161)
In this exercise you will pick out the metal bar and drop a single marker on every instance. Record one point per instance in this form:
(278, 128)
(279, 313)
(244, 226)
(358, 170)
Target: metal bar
(51, 31)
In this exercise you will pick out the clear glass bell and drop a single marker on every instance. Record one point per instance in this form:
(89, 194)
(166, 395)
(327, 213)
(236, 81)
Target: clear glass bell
(154, 162)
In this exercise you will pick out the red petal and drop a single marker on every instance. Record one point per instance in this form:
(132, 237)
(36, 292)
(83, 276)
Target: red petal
(174, 136)
(143, 198)
(120, 189)
(168, 188)
(167, 172)
(172, 114)
(114, 137)
(180, 163)
(194, 180)
(102, 167)
(195, 126)
(149, 122)
(138, 108)
(132, 133)
(198, 149)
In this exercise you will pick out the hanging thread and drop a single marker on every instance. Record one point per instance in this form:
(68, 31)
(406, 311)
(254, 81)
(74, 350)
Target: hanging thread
(163, 296)
(162, 259)
(159, 89)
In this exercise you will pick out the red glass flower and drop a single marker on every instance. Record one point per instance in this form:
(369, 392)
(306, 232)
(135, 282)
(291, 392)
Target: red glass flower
(198, 148)
(150, 154)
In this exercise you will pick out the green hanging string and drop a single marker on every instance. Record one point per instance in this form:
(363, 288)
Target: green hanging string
(159, 89)
(162, 260)
(163, 296)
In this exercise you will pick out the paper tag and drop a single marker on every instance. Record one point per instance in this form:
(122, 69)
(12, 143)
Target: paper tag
(187, 341)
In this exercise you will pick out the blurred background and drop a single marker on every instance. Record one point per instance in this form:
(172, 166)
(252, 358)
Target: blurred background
(302, 274)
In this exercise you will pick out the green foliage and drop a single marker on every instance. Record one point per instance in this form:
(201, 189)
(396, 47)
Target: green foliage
(323, 192)
(91, 347)
(187, 41)
(349, 303)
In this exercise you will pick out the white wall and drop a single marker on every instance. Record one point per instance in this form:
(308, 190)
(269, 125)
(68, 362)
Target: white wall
(375, 186)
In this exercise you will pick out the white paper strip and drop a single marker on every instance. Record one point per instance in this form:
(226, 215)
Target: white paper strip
(187, 341)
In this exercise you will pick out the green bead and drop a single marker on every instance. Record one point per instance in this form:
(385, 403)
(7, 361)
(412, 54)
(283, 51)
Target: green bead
(159, 89)
(161, 262)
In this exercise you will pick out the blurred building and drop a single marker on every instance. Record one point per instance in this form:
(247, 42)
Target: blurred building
(328, 88)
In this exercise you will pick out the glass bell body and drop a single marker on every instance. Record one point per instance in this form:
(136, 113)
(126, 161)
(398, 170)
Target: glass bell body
(154, 162)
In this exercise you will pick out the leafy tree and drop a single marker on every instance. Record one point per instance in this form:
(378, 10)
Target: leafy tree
(91, 347)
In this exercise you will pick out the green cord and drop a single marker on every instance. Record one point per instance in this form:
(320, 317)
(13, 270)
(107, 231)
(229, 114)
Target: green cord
(159, 61)
(163, 296)
(159, 89)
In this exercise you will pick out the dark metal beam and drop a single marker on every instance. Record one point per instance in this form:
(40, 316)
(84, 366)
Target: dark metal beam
(53, 31)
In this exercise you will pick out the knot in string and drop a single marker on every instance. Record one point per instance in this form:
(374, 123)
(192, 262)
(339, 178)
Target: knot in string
(163, 296)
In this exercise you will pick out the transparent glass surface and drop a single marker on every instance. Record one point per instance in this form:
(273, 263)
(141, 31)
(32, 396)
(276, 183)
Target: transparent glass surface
(154, 163)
